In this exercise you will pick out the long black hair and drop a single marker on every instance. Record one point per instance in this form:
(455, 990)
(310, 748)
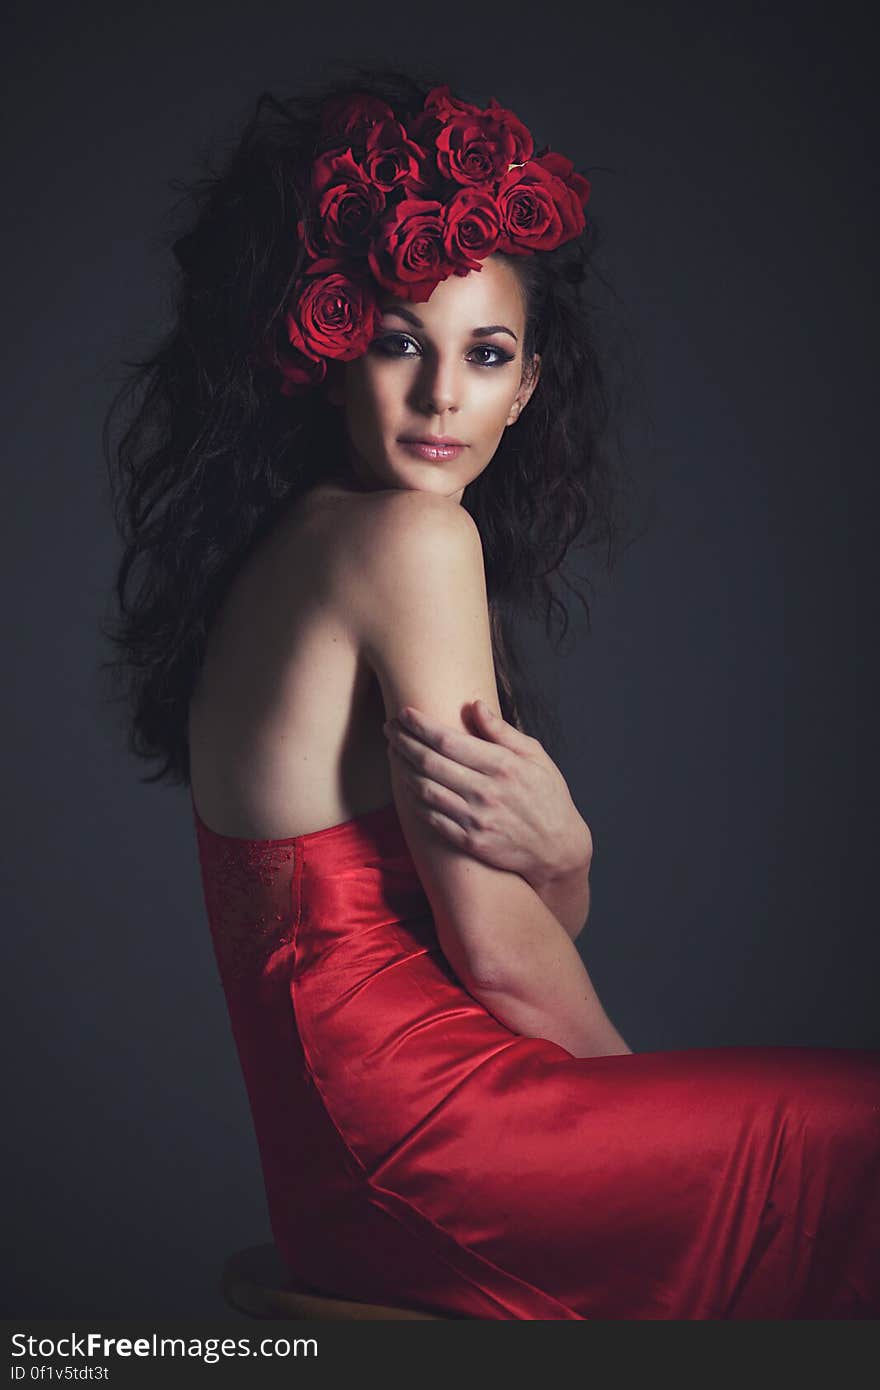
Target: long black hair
(212, 450)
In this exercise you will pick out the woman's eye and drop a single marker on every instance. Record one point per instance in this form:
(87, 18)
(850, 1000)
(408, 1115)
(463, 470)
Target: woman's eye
(390, 344)
(499, 358)
(395, 344)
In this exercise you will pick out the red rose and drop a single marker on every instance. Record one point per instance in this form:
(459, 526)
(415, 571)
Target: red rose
(407, 255)
(442, 104)
(391, 158)
(351, 116)
(333, 315)
(445, 107)
(473, 149)
(538, 209)
(335, 166)
(563, 168)
(523, 144)
(423, 183)
(476, 146)
(424, 126)
(346, 206)
(472, 229)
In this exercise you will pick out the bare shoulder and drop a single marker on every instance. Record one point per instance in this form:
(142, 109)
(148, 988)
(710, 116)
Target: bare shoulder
(398, 527)
(394, 510)
(354, 536)
(408, 553)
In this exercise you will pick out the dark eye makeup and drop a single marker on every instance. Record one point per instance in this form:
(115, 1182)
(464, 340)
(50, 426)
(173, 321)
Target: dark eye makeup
(385, 345)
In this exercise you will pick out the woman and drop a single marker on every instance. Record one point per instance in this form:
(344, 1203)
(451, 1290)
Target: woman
(378, 435)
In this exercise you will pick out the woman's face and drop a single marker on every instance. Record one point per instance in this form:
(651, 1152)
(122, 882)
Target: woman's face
(433, 369)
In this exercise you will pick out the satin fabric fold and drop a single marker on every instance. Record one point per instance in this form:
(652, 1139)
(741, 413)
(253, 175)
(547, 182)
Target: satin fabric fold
(416, 1151)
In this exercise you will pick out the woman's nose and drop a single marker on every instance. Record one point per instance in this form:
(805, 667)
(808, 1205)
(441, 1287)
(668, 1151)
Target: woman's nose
(439, 386)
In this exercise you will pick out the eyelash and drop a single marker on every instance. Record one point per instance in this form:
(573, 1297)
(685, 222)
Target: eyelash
(502, 357)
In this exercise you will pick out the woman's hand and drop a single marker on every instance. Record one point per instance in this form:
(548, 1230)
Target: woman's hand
(496, 793)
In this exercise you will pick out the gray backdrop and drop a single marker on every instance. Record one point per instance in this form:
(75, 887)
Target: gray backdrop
(720, 721)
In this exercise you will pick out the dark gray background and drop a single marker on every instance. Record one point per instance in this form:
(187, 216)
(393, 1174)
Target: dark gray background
(720, 721)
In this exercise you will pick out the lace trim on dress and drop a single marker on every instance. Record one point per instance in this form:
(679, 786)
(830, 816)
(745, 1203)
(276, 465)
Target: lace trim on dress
(247, 926)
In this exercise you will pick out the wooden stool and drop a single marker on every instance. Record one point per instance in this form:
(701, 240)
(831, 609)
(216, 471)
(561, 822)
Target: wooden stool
(255, 1282)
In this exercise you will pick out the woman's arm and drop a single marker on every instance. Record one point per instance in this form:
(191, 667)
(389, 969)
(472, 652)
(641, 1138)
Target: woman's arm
(498, 795)
(413, 586)
(542, 988)
(568, 898)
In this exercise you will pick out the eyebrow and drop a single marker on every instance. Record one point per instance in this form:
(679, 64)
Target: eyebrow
(477, 332)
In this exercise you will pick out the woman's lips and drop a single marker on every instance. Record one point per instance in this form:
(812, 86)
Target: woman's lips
(432, 451)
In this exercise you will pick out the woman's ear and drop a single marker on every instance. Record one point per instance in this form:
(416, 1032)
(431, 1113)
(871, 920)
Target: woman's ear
(526, 387)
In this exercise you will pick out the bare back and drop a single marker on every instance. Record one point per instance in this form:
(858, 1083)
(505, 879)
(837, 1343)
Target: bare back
(285, 724)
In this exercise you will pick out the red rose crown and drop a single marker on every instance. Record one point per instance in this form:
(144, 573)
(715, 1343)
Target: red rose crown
(404, 206)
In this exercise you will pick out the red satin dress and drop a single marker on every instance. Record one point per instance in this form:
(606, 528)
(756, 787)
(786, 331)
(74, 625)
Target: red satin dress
(417, 1152)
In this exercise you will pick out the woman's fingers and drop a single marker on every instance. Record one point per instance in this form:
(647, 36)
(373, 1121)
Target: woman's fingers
(469, 750)
(441, 805)
(428, 765)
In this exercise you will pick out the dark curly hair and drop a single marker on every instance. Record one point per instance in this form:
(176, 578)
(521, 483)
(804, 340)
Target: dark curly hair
(213, 451)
